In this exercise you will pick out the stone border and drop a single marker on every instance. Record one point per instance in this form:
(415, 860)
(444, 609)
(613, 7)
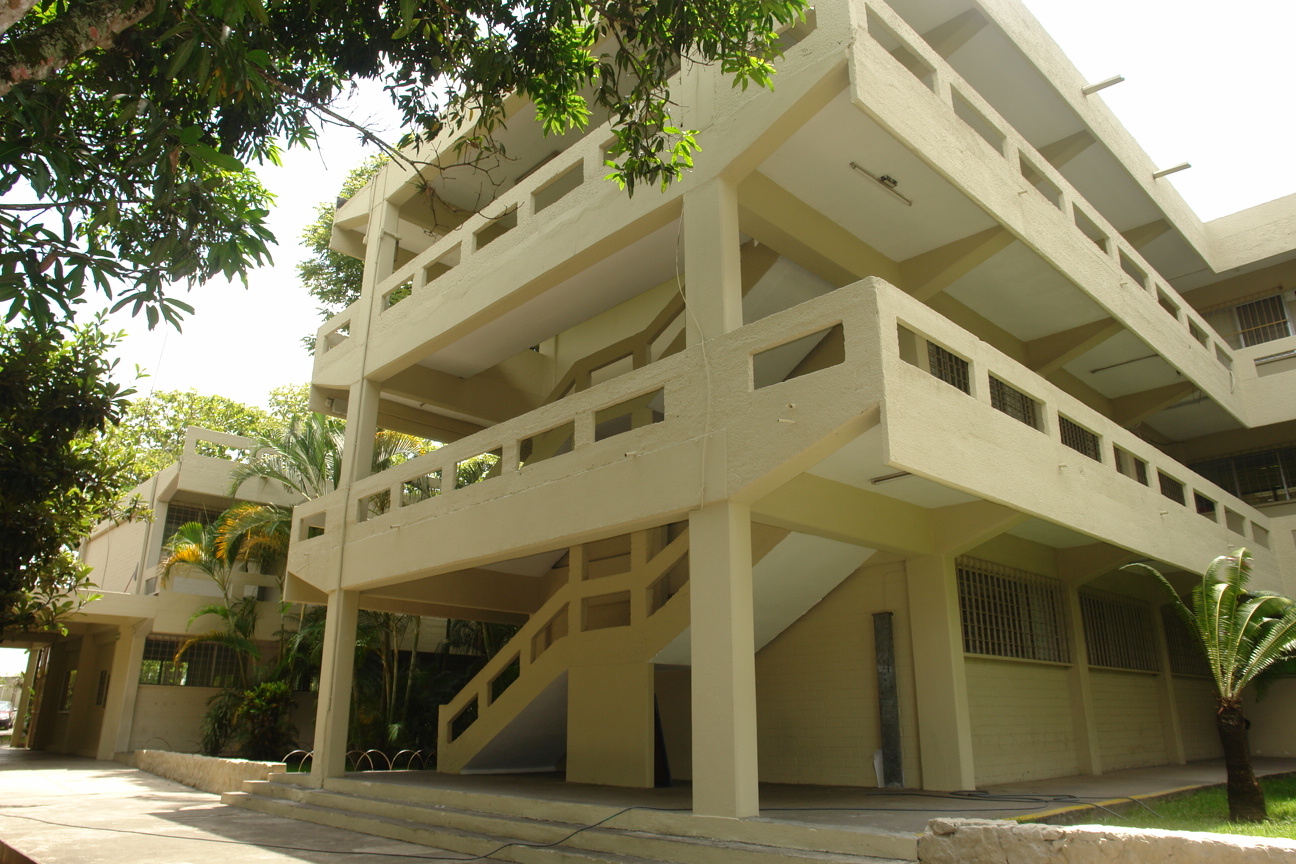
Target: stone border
(990, 841)
(207, 773)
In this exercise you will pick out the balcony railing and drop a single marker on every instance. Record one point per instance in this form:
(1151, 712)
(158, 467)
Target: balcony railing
(912, 53)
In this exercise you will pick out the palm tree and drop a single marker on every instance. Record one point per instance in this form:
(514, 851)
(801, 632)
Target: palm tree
(1242, 633)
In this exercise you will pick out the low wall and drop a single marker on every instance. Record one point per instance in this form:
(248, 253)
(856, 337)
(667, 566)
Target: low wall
(204, 772)
(984, 841)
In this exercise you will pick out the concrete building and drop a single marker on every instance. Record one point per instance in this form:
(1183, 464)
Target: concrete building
(820, 465)
(111, 686)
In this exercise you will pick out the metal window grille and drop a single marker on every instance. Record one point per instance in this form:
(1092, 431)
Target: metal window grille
(1186, 655)
(182, 514)
(1014, 403)
(1011, 613)
(1079, 438)
(1118, 632)
(948, 367)
(1254, 322)
(1256, 478)
(202, 665)
(1172, 488)
(1130, 465)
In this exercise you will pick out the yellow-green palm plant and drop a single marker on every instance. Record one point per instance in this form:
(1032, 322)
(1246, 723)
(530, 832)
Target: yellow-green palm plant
(1242, 633)
(195, 546)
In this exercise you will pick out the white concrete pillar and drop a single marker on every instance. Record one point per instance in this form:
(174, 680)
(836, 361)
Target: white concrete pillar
(1088, 755)
(333, 711)
(944, 720)
(17, 738)
(725, 772)
(361, 427)
(123, 686)
(1171, 728)
(712, 261)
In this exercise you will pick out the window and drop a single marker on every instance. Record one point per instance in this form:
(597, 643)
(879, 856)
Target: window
(1118, 632)
(182, 514)
(1078, 438)
(1011, 613)
(69, 687)
(203, 665)
(101, 693)
(948, 367)
(1014, 403)
(1263, 477)
(1262, 319)
(1186, 655)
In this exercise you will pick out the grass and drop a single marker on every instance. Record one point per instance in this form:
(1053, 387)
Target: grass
(1207, 810)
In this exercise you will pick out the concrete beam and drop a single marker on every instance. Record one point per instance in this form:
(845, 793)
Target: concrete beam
(1134, 408)
(926, 275)
(947, 38)
(1078, 565)
(776, 217)
(826, 508)
(1145, 234)
(1048, 354)
(1065, 149)
(961, 527)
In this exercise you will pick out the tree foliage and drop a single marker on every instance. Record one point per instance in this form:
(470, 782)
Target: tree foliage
(127, 125)
(1241, 633)
(56, 482)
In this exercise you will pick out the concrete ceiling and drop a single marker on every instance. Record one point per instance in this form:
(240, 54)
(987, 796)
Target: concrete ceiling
(815, 166)
(860, 461)
(1122, 365)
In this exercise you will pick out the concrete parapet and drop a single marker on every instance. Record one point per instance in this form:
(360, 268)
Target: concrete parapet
(987, 841)
(206, 773)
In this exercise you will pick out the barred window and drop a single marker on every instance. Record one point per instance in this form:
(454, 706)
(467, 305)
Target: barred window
(1014, 403)
(1130, 465)
(1186, 655)
(1257, 478)
(204, 665)
(182, 514)
(1172, 488)
(1011, 613)
(1079, 438)
(1118, 631)
(948, 367)
(1255, 322)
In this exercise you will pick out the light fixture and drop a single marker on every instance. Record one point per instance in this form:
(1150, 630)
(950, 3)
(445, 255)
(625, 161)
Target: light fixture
(885, 477)
(886, 182)
(1102, 85)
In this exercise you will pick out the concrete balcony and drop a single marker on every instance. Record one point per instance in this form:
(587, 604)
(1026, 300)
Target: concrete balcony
(714, 422)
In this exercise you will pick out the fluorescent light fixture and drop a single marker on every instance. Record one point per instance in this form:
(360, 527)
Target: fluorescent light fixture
(885, 182)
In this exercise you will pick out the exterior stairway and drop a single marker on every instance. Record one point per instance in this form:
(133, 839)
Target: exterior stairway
(531, 829)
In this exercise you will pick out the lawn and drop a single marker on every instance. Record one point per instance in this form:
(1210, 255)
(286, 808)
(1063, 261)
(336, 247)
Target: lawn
(1207, 810)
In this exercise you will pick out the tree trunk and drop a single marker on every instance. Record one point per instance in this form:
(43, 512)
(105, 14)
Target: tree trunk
(1245, 797)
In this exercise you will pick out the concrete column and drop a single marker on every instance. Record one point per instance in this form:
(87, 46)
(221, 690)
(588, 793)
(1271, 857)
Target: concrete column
(1170, 727)
(944, 719)
(1088, 756)
(725, 773)
(24, 698)
(610, 732)
(712, 261)
(123, 686)
(361, 427)
(333, 711)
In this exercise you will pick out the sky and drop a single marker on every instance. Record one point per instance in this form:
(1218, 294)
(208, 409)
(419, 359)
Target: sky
(1207, 84)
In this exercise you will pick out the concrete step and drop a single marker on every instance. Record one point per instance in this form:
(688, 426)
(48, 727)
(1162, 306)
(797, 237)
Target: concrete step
(562, 828)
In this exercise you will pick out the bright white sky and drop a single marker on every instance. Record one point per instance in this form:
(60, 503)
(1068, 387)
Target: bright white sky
(1206, 84)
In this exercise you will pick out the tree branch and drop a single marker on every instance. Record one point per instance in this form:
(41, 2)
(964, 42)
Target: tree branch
(13, 11)
(42, 53)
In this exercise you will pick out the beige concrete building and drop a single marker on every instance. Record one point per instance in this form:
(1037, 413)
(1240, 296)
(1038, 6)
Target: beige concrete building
(111, 685)
(820, 465)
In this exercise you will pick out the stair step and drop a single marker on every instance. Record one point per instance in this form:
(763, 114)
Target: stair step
(476, 831)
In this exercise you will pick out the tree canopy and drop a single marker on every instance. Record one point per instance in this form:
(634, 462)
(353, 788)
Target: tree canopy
(127, 125)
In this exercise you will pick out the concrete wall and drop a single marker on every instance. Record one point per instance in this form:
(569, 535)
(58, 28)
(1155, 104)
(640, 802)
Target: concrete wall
(1195, 698)
(169, 718)
(816, 687)
(984, 841)
(1271, 719)
(203, 772)
(1127, 713)
(1021, 720)
(115, 556)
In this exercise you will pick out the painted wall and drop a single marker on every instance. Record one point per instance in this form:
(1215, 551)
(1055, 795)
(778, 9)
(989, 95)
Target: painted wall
(1195, 701)
(1021, 720)
(1127, 714)
(816, 687)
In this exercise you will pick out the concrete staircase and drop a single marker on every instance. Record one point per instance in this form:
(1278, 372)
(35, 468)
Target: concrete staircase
(531, 830)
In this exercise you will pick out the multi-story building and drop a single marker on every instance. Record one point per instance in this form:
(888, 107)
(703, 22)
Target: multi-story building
(820, 465)
(111, 684)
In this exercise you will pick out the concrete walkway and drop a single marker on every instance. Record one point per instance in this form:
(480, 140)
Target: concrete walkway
(66, 810)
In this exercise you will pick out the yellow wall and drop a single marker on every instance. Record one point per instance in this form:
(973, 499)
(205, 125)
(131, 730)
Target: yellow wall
(1021, 720)
(169, 718)
(816, 687)
(1195, 698)
(1271, 719)
(1127, 714)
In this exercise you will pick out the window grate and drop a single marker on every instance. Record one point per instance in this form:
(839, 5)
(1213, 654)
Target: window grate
(1011, 613)
(183, 514)
(1014, 403)
(1252, 323)
(1118, 631)
(1130, 465)
(1079, 438)
(1186, 655)
(948, 367)
(205, 664)
(1256, 478)
(1172, 488)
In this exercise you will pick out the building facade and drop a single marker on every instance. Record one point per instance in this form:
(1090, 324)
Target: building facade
(819, 466)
